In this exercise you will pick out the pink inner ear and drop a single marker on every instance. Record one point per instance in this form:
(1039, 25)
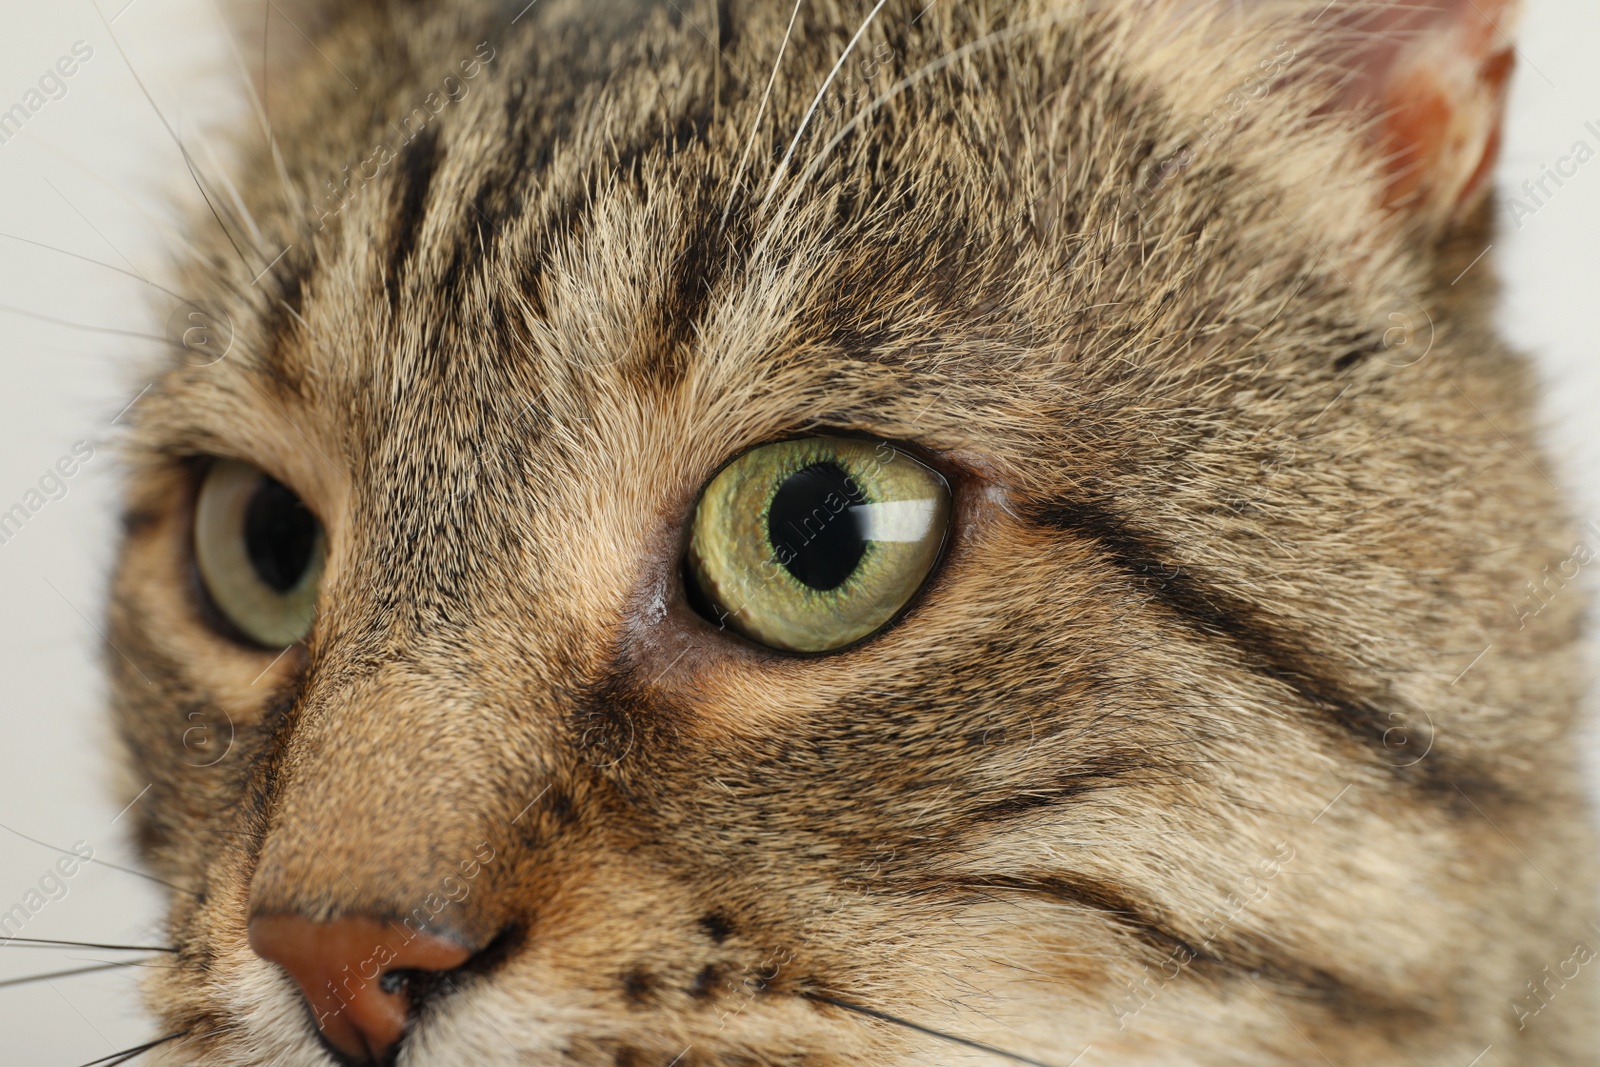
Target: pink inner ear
(1437, 73)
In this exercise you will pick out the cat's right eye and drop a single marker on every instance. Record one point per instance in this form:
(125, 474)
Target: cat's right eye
(810, 545)
(260, 553)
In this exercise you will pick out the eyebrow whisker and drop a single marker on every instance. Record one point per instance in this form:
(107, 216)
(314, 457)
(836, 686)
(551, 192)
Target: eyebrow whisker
(69, 324)
(188, 160)
(755, 124)
(104, 863)
(100, 263)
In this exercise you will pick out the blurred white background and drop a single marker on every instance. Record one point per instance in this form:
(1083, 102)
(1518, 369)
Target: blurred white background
(94, 174)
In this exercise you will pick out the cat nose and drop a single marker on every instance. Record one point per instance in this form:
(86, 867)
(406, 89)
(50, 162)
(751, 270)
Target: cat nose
(346, 971)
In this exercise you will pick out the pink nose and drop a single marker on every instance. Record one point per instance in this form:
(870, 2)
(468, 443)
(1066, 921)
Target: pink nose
(340, 966)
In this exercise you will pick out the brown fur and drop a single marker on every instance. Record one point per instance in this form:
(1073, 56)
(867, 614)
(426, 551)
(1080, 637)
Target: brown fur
(1187, 753)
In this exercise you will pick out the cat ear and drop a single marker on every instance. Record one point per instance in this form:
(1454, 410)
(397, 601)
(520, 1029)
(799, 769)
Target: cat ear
(1426, 79)
(1432, 75)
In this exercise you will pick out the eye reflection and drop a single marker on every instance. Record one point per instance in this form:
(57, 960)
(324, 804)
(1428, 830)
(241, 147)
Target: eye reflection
(813, 544)
(814, 525)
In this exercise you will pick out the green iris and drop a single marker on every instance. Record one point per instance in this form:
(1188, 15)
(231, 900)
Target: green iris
(810, 545)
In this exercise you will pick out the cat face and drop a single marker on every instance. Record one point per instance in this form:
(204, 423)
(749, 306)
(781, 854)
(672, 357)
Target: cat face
(952, 561)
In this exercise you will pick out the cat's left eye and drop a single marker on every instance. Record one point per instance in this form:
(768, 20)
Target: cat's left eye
(813, 544)
(259, 551)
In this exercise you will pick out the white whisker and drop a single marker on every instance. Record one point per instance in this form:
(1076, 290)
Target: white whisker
(755, 123)
(258, 106)
(98, 232)
(233, 193)
(817, 102)
(920, 74)
(187, 159)
(69, 324)
(164, 225)
(194, 173)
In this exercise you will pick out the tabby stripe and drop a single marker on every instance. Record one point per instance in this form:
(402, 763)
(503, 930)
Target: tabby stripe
(1140, 919)
(1212, 612)
(685, 298)
(289, 277)
(418, 161)
(1096, 772)
(1227, 955)
(509, 185)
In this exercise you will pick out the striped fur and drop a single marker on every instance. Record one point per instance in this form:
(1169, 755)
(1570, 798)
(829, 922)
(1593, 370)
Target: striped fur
(1216, 737)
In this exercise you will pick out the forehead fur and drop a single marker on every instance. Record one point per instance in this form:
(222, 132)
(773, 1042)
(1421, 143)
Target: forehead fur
(609, 245)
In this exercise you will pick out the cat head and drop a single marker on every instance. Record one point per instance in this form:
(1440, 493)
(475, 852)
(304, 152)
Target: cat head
(836, 535)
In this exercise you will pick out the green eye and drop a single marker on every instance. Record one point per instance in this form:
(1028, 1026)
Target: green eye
(260, 553)
(809, 545)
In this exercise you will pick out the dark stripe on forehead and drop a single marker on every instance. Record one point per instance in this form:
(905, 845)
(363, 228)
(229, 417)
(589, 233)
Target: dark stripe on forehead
(285, 286)
(506, 188)
(419, 159)
(701, 262)
(501, 195)
(703, 254)
(1261, 646)
(536, 127)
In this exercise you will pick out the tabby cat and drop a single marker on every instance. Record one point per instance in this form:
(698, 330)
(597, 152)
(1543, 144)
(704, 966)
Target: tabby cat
(845, 533)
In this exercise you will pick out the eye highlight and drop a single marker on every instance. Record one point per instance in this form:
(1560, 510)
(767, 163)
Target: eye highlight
(260, 553)
(810, 545)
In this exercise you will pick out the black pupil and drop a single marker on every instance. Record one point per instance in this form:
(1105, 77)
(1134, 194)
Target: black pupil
(279, 535)
(813, 529)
